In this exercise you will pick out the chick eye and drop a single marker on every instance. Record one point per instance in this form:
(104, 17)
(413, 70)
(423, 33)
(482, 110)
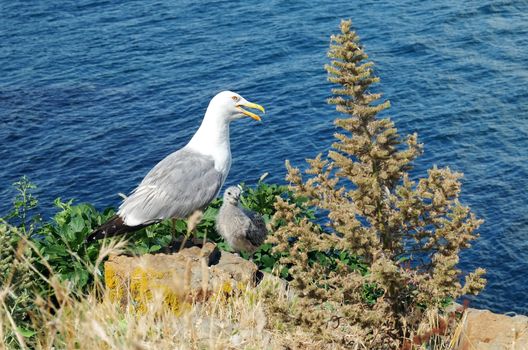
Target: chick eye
(235, 98)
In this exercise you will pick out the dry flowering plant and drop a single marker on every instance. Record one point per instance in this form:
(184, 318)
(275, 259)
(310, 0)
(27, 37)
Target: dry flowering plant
(384, 249)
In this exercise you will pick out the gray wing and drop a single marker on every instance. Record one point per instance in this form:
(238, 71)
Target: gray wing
(177, 186)
(256, 232)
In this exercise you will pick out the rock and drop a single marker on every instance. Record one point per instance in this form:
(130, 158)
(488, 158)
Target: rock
(235, 267)
(484, 330)
(176, 278)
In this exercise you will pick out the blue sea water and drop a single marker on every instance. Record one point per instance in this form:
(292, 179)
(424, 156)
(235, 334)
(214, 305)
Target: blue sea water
(94, 93)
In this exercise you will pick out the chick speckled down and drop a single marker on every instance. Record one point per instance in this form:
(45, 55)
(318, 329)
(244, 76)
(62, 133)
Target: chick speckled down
(241, 228)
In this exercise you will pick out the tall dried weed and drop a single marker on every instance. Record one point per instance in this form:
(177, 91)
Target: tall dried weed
(389, 245)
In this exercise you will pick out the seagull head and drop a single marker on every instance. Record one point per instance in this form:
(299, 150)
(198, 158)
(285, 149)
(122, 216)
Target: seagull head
(233, 106)
(232, 195)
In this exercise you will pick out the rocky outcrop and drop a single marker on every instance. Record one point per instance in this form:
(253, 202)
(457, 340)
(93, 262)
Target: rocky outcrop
(484, 330)
(193, 273)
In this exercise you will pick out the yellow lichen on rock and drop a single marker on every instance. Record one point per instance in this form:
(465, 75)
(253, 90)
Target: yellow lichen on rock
(145, 283)
(114, 287)
(175, 280)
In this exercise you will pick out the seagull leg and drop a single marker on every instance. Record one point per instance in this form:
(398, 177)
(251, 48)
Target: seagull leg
(192, 221)
(173, 231)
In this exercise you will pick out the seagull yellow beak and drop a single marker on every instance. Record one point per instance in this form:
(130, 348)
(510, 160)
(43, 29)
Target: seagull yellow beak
(251, 105)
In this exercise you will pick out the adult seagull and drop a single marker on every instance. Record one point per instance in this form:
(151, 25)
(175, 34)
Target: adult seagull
(186, 181)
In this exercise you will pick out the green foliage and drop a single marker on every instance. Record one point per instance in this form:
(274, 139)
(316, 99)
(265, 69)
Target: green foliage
(19, 284)
(61, 242)
(24, 204)
(153, 238)
(261, 199)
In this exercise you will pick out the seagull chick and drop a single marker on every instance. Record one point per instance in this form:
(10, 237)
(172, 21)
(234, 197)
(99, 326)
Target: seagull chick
(186, 181)
(242, 229)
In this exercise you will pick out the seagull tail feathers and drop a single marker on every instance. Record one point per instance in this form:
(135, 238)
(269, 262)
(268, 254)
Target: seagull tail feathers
(113, 227)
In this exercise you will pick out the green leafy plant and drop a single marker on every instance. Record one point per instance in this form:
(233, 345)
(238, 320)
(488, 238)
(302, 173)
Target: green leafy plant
(155, 237)
(261, 199)
(22, 214)
(19, 283)
(61, 242)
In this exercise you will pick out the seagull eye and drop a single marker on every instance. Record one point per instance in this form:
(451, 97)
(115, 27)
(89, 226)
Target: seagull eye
(235, 98)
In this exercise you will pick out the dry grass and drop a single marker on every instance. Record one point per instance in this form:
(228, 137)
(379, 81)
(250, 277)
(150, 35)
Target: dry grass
(438, 332)
(251, 318)
(93, 321)
(219, 323)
